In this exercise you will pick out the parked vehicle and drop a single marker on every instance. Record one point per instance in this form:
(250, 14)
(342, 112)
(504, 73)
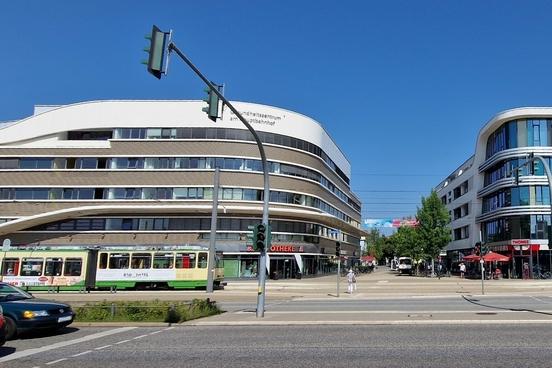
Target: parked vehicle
(2, 328)
(23, 312)
(405, 265)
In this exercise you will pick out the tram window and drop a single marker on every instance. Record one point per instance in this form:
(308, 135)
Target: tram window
(202, 260)
(119, 260)
(73, 266)
(32, 266)
(185, 260)
(53, 267)
(10, 267)
(163, 260)
(141, 260)
(103, 261)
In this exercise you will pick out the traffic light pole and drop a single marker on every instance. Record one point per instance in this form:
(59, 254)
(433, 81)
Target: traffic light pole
(262, 257)
(213, 234)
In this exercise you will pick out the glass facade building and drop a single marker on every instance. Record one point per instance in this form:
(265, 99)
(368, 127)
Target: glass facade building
(509, 193)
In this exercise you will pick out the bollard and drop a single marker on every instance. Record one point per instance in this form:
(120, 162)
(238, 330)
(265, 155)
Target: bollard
(112, 310)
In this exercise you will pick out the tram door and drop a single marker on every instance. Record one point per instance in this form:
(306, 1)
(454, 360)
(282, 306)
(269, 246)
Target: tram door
(91, 264)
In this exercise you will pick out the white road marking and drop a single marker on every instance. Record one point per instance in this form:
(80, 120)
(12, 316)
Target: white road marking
(26, 353)
(155, 332)
(103, 347)
(121, 342)
(56, 361)
(139, 337)
(168, 328)
(83, 353)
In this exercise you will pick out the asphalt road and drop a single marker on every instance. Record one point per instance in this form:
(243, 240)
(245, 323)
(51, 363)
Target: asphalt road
(501, 346)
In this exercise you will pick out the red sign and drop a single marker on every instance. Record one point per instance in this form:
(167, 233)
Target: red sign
(286, 249)
(520, 241)
(42, 279)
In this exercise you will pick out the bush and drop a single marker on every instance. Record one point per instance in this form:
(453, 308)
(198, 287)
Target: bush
(145, 311)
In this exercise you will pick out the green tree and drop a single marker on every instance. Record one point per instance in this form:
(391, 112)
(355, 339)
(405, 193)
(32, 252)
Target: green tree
(432, 229)
(374, 244)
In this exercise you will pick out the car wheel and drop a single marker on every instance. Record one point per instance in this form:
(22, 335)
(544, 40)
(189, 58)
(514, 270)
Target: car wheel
(11, 328)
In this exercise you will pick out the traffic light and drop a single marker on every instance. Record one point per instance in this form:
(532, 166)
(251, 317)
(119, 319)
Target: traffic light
(213, 102)
(156, 51)
(259, 237)
(484, 249)
(337, 249)
(477, 249)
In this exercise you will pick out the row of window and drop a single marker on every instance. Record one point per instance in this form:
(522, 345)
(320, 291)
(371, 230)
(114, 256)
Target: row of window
(520, 133)
(198, 224)
(208, 133)
(235, 194)
(57, 266)
(517, 196)
(35, 266)
(517, 227)
(164, 260)
(152, 163)
(507, 168)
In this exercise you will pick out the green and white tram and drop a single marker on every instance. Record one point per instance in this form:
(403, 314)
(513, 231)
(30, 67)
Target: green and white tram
(108, 268)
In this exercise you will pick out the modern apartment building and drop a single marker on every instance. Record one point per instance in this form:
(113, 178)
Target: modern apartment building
(485, 200)
(140, 173)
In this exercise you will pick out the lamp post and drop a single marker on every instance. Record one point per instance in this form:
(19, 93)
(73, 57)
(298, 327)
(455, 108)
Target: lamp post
(160, 40)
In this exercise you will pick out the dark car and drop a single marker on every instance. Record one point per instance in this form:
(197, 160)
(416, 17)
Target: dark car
(2, 328)
(23, 312)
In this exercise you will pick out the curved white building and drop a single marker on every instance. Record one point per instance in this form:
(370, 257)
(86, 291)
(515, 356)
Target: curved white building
(141, 173)
(511, 217)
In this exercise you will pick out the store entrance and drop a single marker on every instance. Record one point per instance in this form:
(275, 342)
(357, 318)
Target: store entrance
(283, 268)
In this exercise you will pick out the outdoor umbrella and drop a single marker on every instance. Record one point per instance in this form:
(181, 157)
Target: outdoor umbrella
(471, 258)
(492, 256)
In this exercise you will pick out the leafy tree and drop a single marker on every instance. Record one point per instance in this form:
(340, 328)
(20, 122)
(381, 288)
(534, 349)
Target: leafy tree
(374, 244)
(432, 227)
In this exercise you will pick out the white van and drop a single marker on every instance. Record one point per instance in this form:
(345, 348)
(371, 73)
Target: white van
(405, 265)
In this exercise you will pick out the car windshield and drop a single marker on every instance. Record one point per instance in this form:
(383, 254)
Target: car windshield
(9, 292)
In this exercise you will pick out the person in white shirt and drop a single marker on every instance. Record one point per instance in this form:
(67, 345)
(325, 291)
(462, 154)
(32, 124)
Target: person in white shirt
(351, 279)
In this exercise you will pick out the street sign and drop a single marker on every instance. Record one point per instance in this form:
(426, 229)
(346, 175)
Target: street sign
(6, 245)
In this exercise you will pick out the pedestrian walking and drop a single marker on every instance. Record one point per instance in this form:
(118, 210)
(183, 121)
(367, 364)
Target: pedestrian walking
(351, 280)
(462, 270)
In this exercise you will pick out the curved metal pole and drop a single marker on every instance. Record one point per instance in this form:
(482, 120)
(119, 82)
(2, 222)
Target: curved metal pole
(262, 257)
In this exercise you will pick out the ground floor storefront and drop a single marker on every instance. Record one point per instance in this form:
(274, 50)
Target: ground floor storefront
(279, 265)
(526, 259)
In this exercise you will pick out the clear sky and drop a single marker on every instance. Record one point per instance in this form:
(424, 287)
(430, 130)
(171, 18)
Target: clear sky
(403, 87)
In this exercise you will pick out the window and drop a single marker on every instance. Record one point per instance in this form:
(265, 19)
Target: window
(9, 163)
(141, 260)
(73, 266)
(185, 260)
(103, 261)
(119, 260)
(53, 267)
(32, 266)
(86, 163)
(163, 260)
(10, 267)
(202, 260)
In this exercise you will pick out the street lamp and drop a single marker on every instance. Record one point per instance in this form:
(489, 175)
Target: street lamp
(171, 47)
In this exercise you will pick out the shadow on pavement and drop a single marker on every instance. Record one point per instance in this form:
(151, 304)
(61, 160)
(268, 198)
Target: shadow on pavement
(5, 351)
(476, 302)
(46, 333)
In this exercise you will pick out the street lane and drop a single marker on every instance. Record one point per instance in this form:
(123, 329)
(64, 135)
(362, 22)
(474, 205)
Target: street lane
(308, 346)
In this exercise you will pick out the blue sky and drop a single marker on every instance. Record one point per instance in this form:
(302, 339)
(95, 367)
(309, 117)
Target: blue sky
(403, 87)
